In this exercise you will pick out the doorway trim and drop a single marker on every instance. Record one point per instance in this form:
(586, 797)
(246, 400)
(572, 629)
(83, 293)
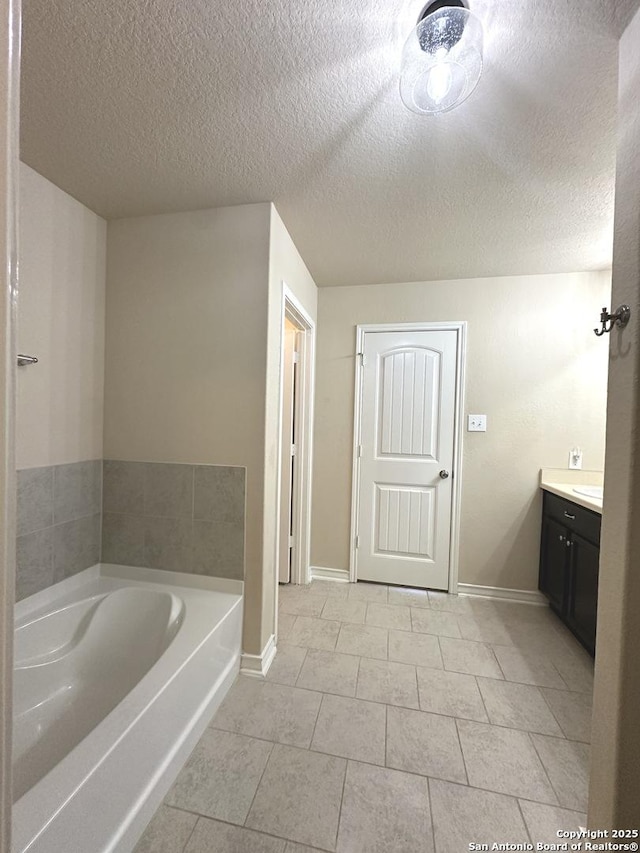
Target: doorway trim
(460, 327)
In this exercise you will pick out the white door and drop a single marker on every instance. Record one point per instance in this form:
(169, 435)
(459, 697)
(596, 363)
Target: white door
(288, 451)
(406, 457)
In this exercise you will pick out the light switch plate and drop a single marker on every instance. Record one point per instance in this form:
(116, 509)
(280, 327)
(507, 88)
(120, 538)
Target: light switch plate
(477, 423)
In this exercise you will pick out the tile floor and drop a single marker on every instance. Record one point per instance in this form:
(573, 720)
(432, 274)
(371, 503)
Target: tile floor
(391, 721)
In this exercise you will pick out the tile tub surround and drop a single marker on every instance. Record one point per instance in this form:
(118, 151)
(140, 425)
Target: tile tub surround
(368, 739)
(182, 518)
(58, 523)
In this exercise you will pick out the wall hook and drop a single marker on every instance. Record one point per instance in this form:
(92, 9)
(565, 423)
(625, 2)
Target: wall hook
(619, 319)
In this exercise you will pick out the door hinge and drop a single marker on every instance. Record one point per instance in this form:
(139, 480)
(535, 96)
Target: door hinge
(363, 358)
(357, 542)
(291, 542)
(293, 450)
(359, 451)
(296, 357)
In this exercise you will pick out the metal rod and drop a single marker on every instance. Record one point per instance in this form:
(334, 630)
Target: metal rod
(26, 359)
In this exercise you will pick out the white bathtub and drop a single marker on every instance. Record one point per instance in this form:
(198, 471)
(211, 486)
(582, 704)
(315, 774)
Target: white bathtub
(116, 677)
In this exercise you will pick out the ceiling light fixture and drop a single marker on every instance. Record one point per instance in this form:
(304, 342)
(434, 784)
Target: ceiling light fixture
(441, 59)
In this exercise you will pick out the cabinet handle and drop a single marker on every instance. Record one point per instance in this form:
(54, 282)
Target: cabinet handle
(561, 537)
(569, 543)
(568, 515)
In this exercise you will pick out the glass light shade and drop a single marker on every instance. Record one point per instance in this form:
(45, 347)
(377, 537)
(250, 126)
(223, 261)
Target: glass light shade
(441, 61)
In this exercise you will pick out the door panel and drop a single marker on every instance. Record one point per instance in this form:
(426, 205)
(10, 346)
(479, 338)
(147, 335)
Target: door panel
(553, 560)
(286, 472)
(407, 438)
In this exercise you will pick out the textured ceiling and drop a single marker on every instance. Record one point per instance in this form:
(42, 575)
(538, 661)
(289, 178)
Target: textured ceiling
(148, 106)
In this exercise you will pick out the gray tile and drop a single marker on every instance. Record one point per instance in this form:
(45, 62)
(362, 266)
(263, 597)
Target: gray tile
(329, 672)
(527, 668)
(286, 622)
(387, 682)
(441, 623)
(426, 744)
(504, 760)
(292, 847)
(219, 492)
(383, 811)
(270, 711)
(299, 601)
(344, 611)
(469, 657)
(419, 649)
(34, 562)
(123, 539)
(575, 667)
(77, 490)
(462, 815)
(314, 633)
(168, 832)
(368, 592)
(218, 549)
(35, 500)
(168, 490)
(329, 588)
(212, 836)
(408, 596)
(287, 663)
(517, 706)
(450, 603)
(567, 765)
(76, 545)
(221, 777)
(388, 616)
(572, 711)
(168, 544)
(450, 693)
(299, 797)
(543, 822)
(363, 640)
(351, 728)
(123, 486)
(485, 629)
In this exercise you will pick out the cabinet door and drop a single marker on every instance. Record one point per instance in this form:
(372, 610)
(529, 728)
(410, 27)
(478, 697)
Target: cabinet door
(553, 561)
(583, 590)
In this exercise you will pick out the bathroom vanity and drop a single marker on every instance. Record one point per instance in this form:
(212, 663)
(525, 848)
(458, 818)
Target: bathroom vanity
(569, 558)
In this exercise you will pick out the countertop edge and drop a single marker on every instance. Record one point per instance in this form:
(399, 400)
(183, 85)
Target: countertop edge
(564, 490)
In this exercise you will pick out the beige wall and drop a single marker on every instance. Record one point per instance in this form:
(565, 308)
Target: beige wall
(61, 321)
(534, 367)
(185, 356)
(614, 797)
(285, 265)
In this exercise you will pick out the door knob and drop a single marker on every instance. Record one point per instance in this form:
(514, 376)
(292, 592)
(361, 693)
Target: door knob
(444, 475)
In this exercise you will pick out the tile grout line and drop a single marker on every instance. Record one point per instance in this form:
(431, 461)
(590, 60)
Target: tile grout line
(433, 825)
(464, 763)
(524, 821)
(544, 769)
(187, 842)
(255, 793)
(344, 783)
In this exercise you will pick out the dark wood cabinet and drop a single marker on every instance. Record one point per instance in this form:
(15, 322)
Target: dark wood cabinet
(569, 559)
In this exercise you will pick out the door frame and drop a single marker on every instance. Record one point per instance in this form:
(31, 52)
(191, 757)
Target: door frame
(460, 328)
(293, 310)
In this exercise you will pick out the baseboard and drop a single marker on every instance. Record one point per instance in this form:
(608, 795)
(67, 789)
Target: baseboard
(528, 596)
(258, 665)
(329, 574)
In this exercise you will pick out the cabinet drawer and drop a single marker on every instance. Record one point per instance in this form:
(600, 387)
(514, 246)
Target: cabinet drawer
(576, 518)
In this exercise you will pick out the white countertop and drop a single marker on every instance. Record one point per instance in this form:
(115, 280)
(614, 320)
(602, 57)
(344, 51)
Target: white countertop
(561, 482)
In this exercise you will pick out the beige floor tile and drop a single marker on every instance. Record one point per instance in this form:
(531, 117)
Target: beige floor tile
(517, 706)
(388, 616)
(469, 657)
(368, 592)
(504, 760)
(292, 847)
(572, 711)
(287, 664)
(363, 640)
(329, 672)
(384, 811)
(423, 743)
(408, 596)
(484, 629)
(449, 603)
(567, 765)
(575, 668)
(439, 622)
(168, 831)
(301, 604)
(270, 711)
(331, 589)
(345, 611)
(299, 797)
(418, 649)
(351, 728)
(221, 777)
(527, 668)
(211, 836)
(463, 815)
(543, 822)
(314, 633)
(387, 682)
(450, 693)
(285, 624)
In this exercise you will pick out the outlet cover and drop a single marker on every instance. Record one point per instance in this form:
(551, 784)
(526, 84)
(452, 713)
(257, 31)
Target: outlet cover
(575, 459)
(477, 423)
